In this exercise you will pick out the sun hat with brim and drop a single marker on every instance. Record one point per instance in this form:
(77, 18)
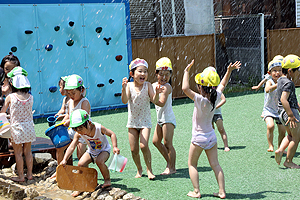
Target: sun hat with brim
(138, 62)
(274, 63)
(207, 78)
(78, 117)
(73, 81)
(19, 78)
(164, 63)
(291, 62)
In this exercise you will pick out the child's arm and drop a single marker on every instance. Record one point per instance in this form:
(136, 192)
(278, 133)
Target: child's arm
(269, 87)
(113, 137)
(70, 149)
(260, 84)
(185, 82)
(164, 91)
(226, 77)
(125, 91)
(222, 102)
(62, 109)
(284, 101)
(154, 96)
(6, 104)
(86, 106)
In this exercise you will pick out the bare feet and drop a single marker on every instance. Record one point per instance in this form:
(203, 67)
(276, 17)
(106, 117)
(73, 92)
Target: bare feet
(17, 179)
(221, 196)
(278, 156)
(106, 183)
(270, 149)
(168, 171)
(291, 165)
(226, 149)
(76, 193)
(139, 174)
(194, 194)
(151, 176)
(29, 177)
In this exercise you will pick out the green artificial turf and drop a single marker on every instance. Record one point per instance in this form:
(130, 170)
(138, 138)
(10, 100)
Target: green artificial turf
(250, 171)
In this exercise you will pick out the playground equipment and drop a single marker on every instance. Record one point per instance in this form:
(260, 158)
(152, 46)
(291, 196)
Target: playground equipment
(64, 37)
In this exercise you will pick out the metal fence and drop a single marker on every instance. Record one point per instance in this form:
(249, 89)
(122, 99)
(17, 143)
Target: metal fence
(241, 38)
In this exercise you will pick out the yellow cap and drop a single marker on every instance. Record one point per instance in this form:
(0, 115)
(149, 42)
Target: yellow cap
(208, 78)
(210, 68)
(137, 62)
(164, 63)
(274, 63)
(291, 62)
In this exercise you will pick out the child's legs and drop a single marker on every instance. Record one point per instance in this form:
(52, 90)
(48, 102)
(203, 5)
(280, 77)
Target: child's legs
(133, 136)
(18, 151)
(144, 139)
(212, 155)
(270, 129)
(84, 160)
(281, 133)
(293, 145)
(81, 149)
(60, 152)
(194, 154)
(157, 138)
(168, 133)
(28, 158)
(100, 161)
(222, 132)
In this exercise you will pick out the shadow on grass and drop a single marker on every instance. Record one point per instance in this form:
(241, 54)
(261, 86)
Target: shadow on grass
(122, 186)
(257, 195)
(234, 147)
(181, 173)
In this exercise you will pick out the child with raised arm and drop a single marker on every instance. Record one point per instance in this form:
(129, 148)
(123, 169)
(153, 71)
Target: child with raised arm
(166, 121)
(98, 146)
(270, 110)
(21, 120)
(65, 104)
(288, 109)
(138, 95)
(267, 75)
(203, 135)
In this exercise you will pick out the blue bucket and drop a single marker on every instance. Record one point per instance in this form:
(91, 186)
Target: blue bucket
(58, 135)
(51, 120)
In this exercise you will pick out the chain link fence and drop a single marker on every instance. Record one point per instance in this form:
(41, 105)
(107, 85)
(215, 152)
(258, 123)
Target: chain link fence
(241, 38)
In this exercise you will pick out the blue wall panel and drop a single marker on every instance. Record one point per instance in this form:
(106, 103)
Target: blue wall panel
(89, 56)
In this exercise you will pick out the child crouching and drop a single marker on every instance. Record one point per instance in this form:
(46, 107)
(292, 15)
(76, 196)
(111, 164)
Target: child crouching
(98, 147)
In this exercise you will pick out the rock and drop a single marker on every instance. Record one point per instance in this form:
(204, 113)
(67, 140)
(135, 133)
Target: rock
(41, 158)
(7, 170)
(114, 190)
(119, 194)
(96, 193)
(52, 163)
(30, 192)
(103, 195)
(109, 198)
(128, 196)
(41, 198)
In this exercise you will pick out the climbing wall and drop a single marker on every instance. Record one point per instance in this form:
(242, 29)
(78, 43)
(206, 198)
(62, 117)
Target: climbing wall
(54, 40)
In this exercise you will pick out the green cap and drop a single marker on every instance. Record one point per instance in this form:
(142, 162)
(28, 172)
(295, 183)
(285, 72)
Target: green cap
(73, 81)
(78, 117)
(19, 78)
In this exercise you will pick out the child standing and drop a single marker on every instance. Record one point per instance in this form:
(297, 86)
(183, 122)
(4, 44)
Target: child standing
(65, 104)
(138, 95)
(22, 129)
(166, 121)
(76, 91)
(218, 120)
(270, 110)
(288, 107)
(203, 135)
(98, 147)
